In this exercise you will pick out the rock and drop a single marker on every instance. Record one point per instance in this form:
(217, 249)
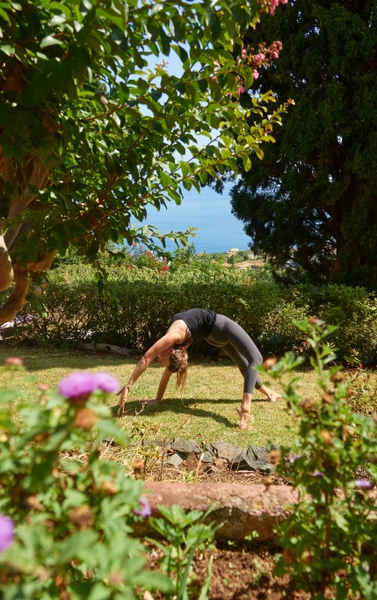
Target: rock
(210, 469)
(175, 460)
(206, 457)
(224, 450)
(254, 459)
(242, 510)
(185, 447)
(158, 443)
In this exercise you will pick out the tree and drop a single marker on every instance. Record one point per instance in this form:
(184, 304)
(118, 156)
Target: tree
(313, 198)
(90, 133)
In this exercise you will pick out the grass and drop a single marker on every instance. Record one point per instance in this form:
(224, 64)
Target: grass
(205, 412)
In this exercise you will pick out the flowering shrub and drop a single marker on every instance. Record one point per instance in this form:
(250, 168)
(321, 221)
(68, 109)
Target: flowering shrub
(329, 539)
(66, 521)
(140, 257)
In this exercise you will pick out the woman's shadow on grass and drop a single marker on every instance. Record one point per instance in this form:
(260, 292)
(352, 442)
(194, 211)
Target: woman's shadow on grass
(189, 407)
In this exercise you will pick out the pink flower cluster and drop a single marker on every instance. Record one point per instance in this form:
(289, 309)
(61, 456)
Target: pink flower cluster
(78, 386)
(273, 4)
(145, 510)
(263, 58)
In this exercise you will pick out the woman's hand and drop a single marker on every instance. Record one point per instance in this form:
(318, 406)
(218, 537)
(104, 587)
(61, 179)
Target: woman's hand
(123, 393)
(150, 402)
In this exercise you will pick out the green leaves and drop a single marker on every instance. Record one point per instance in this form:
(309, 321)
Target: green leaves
(328, 533)
(185, 532)
(72, 519)
(83, 99)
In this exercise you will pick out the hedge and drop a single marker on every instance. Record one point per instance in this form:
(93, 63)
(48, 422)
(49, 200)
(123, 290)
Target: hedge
(138, 309)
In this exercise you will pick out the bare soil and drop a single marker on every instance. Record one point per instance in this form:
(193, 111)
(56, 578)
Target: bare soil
(238, 574)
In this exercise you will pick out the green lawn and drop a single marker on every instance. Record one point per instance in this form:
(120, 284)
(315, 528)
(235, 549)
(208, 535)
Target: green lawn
(205, 412)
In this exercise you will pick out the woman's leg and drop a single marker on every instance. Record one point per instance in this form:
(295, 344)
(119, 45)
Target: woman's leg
(239, 346)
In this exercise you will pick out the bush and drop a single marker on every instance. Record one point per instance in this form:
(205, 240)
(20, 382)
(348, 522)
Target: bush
(73, 518)
(330, 537)
(67, 515)
(138, 303)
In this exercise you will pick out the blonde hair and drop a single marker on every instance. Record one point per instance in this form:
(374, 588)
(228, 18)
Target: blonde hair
(178, 362)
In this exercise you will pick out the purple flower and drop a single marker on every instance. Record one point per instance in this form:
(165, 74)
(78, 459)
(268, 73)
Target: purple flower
(6, 532)
(79, 385)
(317, 474)
(106, 382)
(294, 457)
(365, 484)
(145, 508)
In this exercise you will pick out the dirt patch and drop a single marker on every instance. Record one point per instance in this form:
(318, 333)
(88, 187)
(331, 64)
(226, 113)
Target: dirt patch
(238, 574)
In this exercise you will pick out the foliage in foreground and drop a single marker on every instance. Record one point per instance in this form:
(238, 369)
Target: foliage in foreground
(73, 511)
(330, 537)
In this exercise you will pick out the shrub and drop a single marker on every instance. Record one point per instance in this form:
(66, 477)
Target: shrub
(329, 538)
(73, 512)
(67, 515)
(136, 306)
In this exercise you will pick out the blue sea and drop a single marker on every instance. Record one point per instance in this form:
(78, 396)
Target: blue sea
(218, 229)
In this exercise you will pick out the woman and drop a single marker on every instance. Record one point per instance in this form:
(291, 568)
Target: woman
(218, 331)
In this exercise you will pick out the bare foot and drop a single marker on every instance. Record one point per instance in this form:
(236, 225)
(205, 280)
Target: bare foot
(272, 396)
(244, 415)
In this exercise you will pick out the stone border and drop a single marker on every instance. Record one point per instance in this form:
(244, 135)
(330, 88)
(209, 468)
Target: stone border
(243, 510)
(253, 458)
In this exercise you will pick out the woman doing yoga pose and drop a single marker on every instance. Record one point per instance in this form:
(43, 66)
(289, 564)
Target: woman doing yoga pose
(217, 330)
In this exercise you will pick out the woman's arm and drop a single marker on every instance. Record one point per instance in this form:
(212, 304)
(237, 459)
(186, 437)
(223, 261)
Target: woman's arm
(163, 343)
(161, 389)
(163, 385)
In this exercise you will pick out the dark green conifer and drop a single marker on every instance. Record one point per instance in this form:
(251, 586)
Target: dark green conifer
(313, 198)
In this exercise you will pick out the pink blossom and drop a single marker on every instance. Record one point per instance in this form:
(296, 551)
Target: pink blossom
(363, 483)
(145, 510)
(243, 53)
(106, 382)
(240, 89)
(6, 532)
(258, 59)
(275, 54)
(14, 361)
(77, 386)
(294, 457)
(255, 74)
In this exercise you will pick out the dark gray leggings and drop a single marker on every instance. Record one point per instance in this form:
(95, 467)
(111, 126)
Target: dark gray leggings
(238, 345)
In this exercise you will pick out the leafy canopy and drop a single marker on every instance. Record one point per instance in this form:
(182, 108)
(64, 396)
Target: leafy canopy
(91, 133)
